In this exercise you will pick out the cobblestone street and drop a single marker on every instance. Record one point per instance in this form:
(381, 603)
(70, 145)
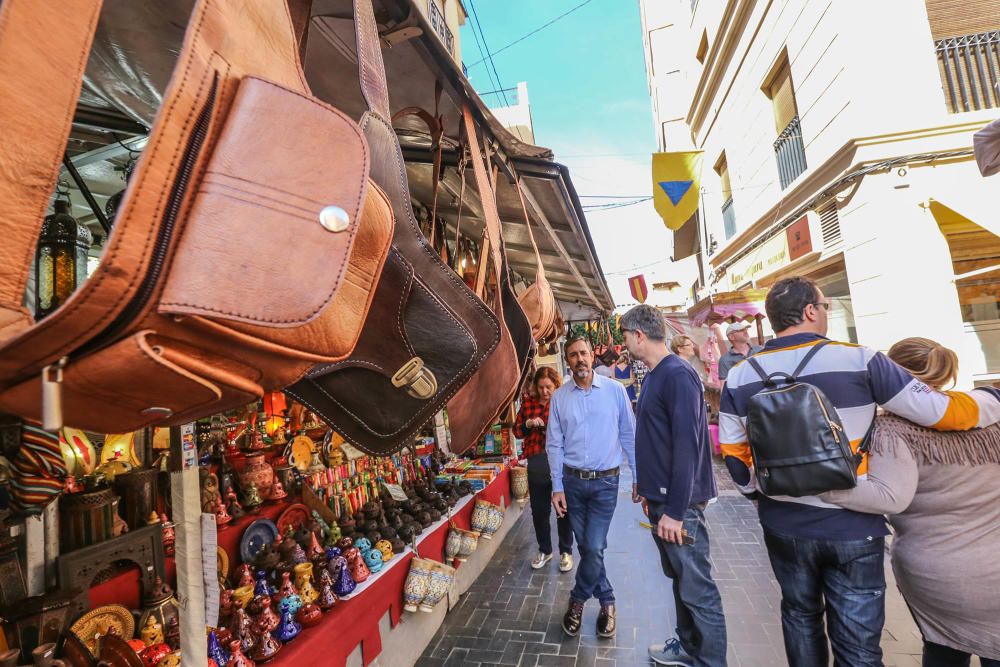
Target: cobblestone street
(512, 614)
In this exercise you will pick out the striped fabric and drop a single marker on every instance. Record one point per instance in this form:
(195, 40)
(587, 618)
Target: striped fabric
(39, 470)
(856, 379)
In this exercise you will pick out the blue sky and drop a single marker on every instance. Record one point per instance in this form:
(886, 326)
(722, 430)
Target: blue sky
(590, 103)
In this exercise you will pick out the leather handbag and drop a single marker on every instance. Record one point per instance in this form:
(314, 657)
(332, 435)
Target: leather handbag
(538, 301)
(427, 332)
(196, 306)
(478, 404)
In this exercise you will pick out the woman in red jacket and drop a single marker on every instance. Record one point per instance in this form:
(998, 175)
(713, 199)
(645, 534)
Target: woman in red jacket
(532, 419)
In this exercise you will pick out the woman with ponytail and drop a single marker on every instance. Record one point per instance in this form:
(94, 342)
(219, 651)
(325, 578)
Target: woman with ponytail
(942, 494)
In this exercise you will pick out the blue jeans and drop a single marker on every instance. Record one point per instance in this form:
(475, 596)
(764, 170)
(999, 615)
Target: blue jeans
(591, 504)
(845, 579)
(701, 626)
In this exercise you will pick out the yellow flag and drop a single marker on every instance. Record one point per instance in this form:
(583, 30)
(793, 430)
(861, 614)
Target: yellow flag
(676, 186)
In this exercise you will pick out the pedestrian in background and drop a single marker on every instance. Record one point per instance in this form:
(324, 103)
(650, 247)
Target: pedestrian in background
(674, 461)
(530, 425)
(942, 494)
(591, 432)
(623, 373)
(829, 561)
(684, 347)
(740, 347)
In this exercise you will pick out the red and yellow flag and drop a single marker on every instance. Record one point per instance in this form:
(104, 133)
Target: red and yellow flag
(637, 284)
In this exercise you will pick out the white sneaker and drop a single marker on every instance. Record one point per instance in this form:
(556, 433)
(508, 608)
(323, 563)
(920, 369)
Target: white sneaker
(670, 653)
(565, 562)
(540, 560)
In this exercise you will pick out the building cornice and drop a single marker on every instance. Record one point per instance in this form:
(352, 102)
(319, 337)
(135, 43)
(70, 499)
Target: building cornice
(856, 153)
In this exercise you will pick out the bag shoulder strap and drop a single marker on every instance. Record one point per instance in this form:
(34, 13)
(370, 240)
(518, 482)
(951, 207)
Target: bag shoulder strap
(371, 67)
(769, 379)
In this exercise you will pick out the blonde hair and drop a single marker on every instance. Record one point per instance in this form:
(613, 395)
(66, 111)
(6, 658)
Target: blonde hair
(930, 362)
(677, 341)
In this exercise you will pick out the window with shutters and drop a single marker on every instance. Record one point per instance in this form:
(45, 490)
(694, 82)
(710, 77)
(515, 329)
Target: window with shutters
(789, 149)
(728, 212)
(829, 223)
(967, 44)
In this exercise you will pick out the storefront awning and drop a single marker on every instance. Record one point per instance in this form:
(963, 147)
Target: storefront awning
(728, 306)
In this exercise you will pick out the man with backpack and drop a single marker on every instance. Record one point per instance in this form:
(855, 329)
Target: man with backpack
(793, 424)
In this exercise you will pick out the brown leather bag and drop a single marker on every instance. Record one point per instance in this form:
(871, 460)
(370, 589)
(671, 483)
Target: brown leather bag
(478, 404)
(427, 332)
(538, 301)
(196, 307)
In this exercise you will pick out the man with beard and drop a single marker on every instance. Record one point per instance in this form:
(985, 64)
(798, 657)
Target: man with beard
(591, 430)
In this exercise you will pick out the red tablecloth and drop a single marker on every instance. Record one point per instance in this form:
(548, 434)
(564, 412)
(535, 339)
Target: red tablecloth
(352, 621)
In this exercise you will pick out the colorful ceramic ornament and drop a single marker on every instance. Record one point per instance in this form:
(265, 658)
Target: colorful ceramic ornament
(385, 547)
(304, 583)
(343, 583)
(237, 657)
(267, 618)
(267, 647)
(309, 615)
(417, 582)
(327, 598)
(263, 587)
(215, 650)
(363, 545)
(373, 559)
(289, 629)
(152, 632)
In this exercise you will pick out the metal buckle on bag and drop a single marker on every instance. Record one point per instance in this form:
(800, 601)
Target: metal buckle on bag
(418, 380)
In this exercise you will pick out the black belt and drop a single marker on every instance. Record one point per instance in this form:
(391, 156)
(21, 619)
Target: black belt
(589, 474)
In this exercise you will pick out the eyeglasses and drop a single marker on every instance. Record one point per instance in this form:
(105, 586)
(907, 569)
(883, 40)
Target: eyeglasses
(824, 304)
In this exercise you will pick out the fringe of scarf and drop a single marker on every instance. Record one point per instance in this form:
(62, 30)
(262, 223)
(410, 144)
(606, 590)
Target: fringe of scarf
(929, 447)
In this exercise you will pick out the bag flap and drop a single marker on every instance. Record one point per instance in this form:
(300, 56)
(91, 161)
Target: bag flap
(279, 204)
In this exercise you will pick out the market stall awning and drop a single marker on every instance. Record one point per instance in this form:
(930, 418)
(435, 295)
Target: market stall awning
(729, 307)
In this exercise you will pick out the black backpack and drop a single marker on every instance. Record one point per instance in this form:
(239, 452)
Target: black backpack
(797, 441)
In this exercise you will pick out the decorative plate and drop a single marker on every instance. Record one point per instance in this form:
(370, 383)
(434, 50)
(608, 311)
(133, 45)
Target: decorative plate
(296, 516)
(300, 451)
(222, 562)
(257, 534)
(95, 624)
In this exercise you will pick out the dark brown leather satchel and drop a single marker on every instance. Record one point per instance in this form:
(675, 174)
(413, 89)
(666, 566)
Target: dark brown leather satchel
(478, 404)
(427, 332)
(194, 308)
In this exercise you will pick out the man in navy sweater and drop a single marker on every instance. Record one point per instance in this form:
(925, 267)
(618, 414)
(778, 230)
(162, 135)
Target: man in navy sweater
(675, 483)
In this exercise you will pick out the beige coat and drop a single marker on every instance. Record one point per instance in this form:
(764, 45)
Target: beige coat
(942, 494)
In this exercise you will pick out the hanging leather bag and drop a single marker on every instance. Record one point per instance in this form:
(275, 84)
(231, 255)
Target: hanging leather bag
(478, 404)
(245, 250)
(538, 301)
(427, 332)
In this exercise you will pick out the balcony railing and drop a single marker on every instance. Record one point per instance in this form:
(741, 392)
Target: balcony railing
(440, 25)
(968, 66)
(729, 218)
(790, 153)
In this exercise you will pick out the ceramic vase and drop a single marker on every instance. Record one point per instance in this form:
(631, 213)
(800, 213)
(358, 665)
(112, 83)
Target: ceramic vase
(480, 516)
(470, 540)
(417, 582)
(259, 472)
(304, 583)
(262, 587)
(236, 657)
(453, 543)
(441, 578)
(215, 650)
(289, 629)
(519, 483)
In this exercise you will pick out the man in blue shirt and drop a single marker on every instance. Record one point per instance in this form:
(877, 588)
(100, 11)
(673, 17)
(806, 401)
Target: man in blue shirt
(591, 430)
(675, 483)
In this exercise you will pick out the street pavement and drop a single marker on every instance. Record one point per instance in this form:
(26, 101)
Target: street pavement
(511, 615)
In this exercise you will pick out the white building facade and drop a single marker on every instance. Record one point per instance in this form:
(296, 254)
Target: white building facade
(837, 141)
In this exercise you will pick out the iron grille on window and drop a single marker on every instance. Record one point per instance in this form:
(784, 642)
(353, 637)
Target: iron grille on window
(729, 218)
(441, 26)
(968, 66)
(790, 153)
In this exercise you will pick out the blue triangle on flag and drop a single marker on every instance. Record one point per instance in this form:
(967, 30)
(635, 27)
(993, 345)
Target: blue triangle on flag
(675, 190)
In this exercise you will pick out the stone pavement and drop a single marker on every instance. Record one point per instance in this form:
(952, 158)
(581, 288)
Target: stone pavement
(512, 614)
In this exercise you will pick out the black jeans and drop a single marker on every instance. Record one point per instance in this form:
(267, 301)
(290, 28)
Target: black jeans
(845, 579)
(701, 625)
(936, 655)
(540, 494)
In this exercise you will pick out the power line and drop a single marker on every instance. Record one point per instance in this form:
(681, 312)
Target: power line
(538, 29)
(486, 48)
(607, 207)
(479, 47)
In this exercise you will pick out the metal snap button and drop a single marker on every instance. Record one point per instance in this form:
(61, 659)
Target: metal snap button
(334, 219)
(162, 413)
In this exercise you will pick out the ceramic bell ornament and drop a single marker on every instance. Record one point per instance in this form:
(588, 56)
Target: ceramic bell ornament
(237, 658)
(373, 559)
(252, 499)
(267, 645)
(289, 628)
(309, 615)
(267, 618)
(327, 598)
(215, 650)
(152, 631)
(304, 583)
(343, 582)
(242, 630)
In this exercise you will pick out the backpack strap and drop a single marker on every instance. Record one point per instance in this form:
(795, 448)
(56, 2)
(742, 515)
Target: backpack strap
(770, 379)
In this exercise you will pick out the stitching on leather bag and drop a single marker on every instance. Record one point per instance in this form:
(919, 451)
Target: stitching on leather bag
(57, 162)
(295, 46)
(74, 305)
(257, 200)
(257, 184)
(413, 419)
(359, 208)
(399, 316)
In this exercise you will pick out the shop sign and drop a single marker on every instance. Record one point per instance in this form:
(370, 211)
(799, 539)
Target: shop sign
(799, 238)
(770, 256)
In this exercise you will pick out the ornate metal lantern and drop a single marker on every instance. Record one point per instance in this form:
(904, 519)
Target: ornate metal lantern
(61, 260)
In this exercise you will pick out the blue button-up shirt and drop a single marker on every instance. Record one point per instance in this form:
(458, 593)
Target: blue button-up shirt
(589, 428)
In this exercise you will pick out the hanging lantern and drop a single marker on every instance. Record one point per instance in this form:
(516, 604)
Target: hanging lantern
(61, 260)
(115, 200)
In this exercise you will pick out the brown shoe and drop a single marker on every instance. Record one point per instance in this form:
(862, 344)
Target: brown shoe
(573, 618)
(606, 622)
